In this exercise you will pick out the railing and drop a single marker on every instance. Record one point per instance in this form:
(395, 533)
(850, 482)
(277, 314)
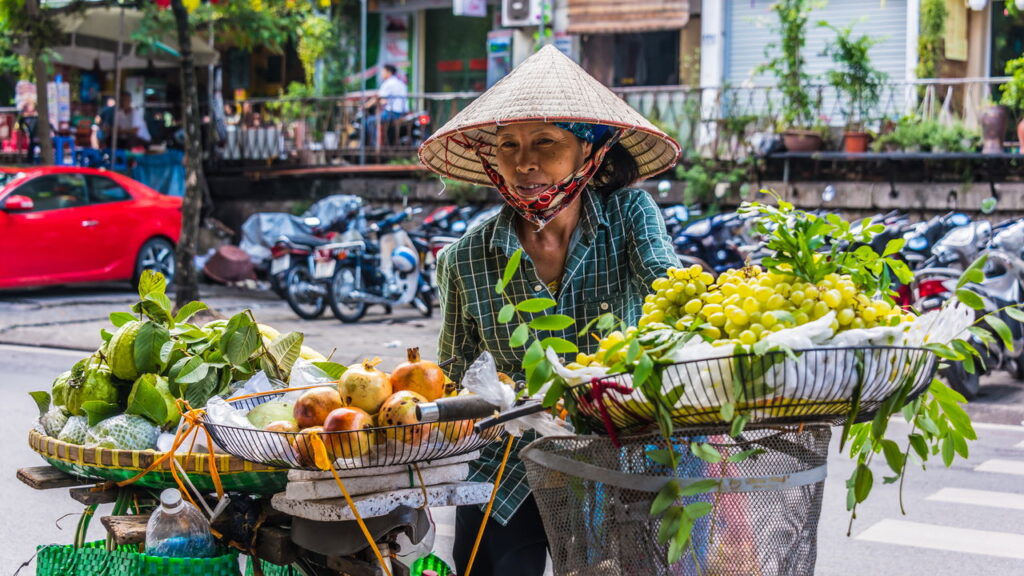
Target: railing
(711, 121)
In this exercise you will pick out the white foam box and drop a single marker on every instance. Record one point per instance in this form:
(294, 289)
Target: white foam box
(382, 503)
(306, 475)
(359, 485)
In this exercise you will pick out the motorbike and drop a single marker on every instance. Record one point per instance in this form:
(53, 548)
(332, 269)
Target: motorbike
(306, 282)
(921, 237)
(387, 271)
(408, 130)
(712, 242)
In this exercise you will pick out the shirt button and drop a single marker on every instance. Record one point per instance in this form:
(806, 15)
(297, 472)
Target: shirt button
(604, 305)
(538, 288)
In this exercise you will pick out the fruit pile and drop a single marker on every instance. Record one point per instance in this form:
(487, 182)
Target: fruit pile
(371, 406)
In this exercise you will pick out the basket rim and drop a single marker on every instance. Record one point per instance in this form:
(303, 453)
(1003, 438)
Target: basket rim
(139, 460)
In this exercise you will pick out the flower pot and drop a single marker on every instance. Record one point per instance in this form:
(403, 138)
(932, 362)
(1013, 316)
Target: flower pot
(993, 128)
(855, 142)
(1020, 136)
(802, 141)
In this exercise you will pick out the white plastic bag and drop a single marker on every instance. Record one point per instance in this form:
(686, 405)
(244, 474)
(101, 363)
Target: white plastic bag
(482, 379)
(305, 373)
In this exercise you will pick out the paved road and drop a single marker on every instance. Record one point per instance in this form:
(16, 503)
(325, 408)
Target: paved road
(968, 519)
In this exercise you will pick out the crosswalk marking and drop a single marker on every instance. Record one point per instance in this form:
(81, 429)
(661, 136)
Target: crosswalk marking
(979, 498)
(1001, 467)
(1003, 427)
(946, 538)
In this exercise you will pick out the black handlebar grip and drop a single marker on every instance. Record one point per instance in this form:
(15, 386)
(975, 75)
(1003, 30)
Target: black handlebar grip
(517, 412)
(453, 409)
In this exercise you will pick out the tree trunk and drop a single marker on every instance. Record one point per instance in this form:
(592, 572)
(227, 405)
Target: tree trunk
(42, 96)
(186, 282)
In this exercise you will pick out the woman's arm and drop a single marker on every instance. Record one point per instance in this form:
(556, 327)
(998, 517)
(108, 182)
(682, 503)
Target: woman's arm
(458, 338)
(650, 248)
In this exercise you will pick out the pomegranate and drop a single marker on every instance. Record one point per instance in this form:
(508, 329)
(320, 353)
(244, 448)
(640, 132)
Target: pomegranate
(400, 410)
(303, 446)
(420, 376)
(357, 439)
(312, 408)
(363, 386)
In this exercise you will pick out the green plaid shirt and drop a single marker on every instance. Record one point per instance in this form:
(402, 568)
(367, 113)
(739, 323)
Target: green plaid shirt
(619, 248)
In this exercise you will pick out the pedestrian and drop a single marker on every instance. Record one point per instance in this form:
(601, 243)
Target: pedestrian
(390, 103)
(28, 122)
(563, 151)
(131, 124)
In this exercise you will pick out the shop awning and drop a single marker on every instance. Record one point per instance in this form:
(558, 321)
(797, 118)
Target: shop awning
(622, 16)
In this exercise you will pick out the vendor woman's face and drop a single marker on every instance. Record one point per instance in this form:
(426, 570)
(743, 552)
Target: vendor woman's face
(535, 155)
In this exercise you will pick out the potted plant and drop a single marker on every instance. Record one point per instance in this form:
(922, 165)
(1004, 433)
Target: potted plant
(856, 81)
(1013, 94)
(788, 66)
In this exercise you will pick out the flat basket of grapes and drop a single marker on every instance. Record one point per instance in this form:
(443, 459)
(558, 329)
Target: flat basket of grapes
(369, 447)
(811, 386)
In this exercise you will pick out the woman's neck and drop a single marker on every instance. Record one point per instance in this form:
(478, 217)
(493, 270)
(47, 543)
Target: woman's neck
(548, 247)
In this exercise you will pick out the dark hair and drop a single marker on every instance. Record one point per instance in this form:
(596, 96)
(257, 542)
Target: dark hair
(391, 68)
(617, 171)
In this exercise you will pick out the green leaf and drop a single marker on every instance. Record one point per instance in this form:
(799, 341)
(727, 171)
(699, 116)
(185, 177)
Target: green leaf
(42, 400)
(198, 393)
(644, 368)
(506, 313)
(1001, 329)
(863, 482)
(677, 545)
(510, 271)
(148, 346)
(633, 351)
(188, 310)
(893, 456)
(539, 376)
(727, 411)
(145, 400)
(151, 282)
(665, 498)
(1015, 313)
(982, 334)
(705, 452)
(943, 351)
(192, 365)
(332, 369)
(970, 298)
(738, 424)
(97, 411)
(284, 351)
(536, 305)
(669, 524)
(698, 510)
(559, 345)
(554, 393)
(519, 336)
(153, 310)
(552, 322)
(105, 335)
(919, 445)
(974, 273)
(606, 322)
(947, 451)
(744, 455)
(893, 246)
(242, 343)
(663, 457)
(699, 487)
(534, 354)
(119, 319)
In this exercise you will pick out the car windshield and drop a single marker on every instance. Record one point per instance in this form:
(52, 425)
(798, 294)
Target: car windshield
(6, 177)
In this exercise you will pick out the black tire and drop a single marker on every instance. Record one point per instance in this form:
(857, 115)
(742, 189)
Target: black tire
(156, 254)
(965, 383)
(303, 302)
(344, 281)
(424, 302)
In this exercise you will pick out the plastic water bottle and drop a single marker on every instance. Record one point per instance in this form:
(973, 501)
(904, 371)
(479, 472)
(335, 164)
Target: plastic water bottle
(178, 529)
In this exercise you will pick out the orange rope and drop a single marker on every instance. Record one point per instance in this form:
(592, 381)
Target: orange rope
(490, 504)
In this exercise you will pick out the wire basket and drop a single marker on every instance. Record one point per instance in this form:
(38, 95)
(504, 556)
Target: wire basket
(818, 385)
(595, 501)
(369, 448)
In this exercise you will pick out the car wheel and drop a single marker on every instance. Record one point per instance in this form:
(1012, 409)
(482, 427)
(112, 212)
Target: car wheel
(157, 254)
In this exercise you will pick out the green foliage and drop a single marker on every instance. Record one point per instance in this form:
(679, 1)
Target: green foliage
(931, 38)
(544, 34)
(292, 105)
(855, 79)
(703, 175)
(315, 35)
(787, 63)
(929, 135)
(1013, 90)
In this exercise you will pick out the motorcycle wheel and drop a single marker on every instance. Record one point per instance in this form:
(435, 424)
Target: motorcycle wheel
(968, 385)
(278, 283)
(344, 282)
(424, 303)
(308, 306)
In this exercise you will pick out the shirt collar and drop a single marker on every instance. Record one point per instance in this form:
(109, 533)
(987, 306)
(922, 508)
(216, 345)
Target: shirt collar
(504, 237)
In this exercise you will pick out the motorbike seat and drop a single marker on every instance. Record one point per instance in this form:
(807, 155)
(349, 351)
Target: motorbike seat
(307, 239)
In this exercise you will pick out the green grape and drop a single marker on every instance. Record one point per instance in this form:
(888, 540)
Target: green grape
(656, 316)
(768, 319)
(820, 309)
(750, 305)
(858, 324)
(717, 319)
(757, 329)
(649, 307)
(747, 337)
(706, 278)
(693, 306)
(711, 332)
(736, 315)
(783, 289)
(709, 309)
(776, 302)
(845, 316)
(797, 297)
(714, 297)
(661, 283)
(800, 318)
(700, 287)
(763, 293)
(868, 314)
(811, 293)
(833, 298)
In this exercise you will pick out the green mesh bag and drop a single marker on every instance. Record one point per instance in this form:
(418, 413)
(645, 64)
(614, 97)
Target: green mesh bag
(270, 569)
(94, 559)
(430, 562)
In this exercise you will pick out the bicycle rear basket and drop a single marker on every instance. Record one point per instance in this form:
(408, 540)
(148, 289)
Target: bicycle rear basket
(819, 385)
(595, 500)
(369, 448)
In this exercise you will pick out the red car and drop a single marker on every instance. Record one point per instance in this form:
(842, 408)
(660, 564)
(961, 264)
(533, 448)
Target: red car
(65, 224)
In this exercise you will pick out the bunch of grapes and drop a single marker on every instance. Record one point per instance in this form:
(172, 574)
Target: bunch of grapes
(746, 304)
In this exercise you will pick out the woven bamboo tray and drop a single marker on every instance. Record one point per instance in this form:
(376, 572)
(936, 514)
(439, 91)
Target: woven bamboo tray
(236, 475)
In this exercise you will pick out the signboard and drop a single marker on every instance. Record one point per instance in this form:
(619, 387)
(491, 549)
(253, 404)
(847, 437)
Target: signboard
(499, 55)
(476, 8)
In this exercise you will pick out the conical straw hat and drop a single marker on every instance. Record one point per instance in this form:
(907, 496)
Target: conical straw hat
(546, 87)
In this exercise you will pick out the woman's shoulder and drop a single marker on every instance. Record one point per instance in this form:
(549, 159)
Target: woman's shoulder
(628, 203)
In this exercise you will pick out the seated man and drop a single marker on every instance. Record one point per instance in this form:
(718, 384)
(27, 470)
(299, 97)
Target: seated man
(391, 102)
(131, 124)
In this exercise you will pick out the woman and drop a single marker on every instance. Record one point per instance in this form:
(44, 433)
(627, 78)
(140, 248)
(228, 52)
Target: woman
(590, 243)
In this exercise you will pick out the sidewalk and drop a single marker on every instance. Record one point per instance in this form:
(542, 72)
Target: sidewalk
(73, 317)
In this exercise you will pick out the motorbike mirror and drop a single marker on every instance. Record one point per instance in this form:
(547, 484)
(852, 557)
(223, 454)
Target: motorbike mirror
(959, 219)
(311, 221)
(663, 188)
(988, 205)
(829, 193)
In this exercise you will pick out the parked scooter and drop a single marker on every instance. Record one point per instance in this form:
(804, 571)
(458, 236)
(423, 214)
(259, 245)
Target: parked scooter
(921, 237)
(712, 242)
(306, 283)
(386, 271)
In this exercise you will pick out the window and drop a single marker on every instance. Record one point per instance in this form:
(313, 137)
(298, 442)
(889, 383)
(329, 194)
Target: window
(55, 191)
(103, 190)
(1007, 39)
